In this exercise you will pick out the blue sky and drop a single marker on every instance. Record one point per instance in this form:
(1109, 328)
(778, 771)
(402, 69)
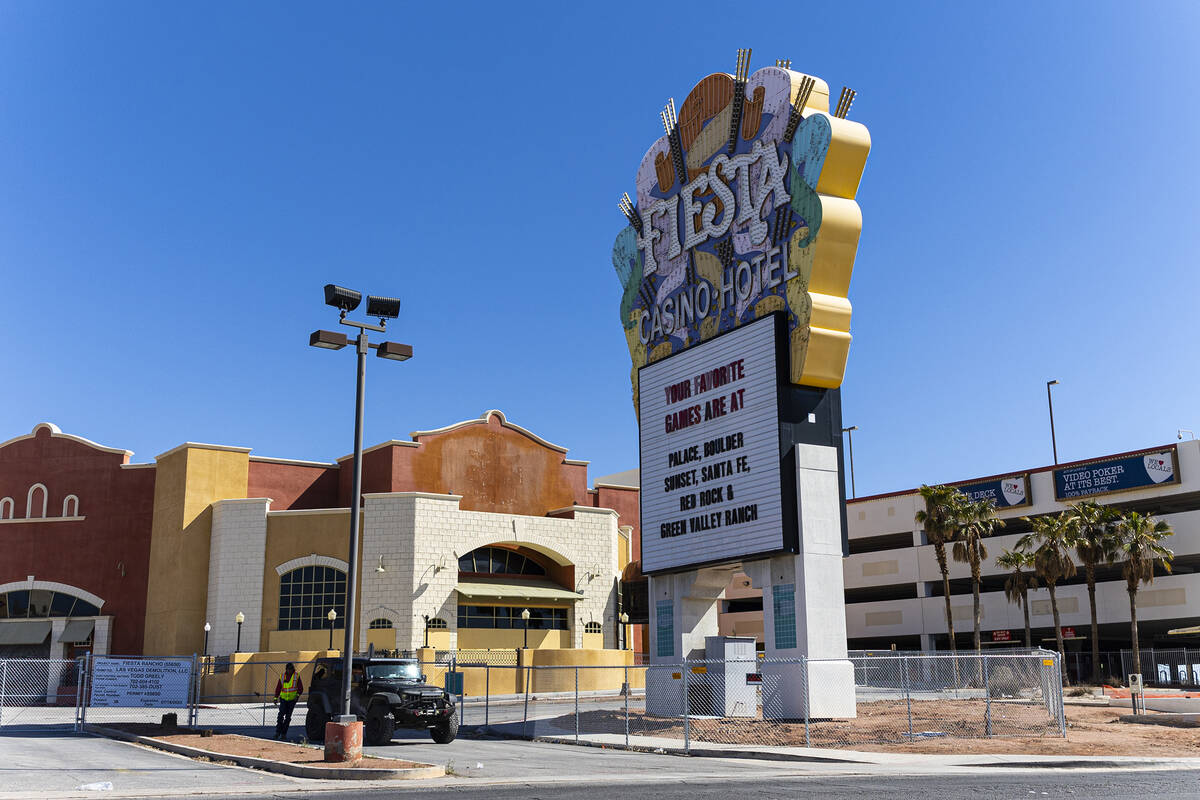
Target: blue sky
(179, 181)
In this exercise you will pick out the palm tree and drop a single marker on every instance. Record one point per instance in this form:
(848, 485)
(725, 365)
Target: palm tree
(1050, 544)
(940, 518)
(1140, 546)
(1020, 580)
(1095, 544)
(977, 522)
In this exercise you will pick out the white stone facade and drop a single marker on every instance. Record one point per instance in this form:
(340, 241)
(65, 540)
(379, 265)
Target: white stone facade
(420, 537)
(235, 572)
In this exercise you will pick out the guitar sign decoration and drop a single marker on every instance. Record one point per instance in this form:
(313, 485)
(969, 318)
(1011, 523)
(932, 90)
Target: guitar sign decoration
(745, 207)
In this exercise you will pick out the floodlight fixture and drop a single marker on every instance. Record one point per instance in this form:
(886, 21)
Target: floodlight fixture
(383, 307)
(395, 351)
(342, 298)
(329, 340)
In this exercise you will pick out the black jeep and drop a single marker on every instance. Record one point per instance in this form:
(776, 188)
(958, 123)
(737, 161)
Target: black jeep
(386, 693)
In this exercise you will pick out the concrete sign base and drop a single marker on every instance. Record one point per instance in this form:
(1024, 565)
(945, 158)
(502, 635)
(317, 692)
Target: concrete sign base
(804, 611)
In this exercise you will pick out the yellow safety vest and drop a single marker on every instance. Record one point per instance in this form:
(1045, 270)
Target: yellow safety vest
(289, 688)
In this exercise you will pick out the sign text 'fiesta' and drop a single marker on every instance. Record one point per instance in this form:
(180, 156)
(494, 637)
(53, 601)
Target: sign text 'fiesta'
(745, 206)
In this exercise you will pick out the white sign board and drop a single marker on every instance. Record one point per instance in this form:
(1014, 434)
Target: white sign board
(710, 451)
(141, 682)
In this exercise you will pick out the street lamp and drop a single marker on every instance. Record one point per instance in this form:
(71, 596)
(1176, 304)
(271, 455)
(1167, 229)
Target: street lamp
(624, 635)
(207, 628)
(383, 308)
(239, 619)
(331, 616)
(525, 617)
(426, 616)
(1050, 404)
(850, 437)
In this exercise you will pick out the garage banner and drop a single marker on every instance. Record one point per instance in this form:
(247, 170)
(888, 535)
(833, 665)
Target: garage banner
(1117, 474)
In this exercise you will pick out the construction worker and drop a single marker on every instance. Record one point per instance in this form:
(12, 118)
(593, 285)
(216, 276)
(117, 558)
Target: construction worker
(287, 691)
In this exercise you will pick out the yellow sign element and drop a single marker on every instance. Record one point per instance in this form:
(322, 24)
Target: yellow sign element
(745, 207)
(1049, 662)
(676, 676)
(699, 670)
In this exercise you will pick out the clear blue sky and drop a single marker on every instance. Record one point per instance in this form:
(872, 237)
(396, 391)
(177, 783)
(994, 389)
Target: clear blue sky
(178, 181)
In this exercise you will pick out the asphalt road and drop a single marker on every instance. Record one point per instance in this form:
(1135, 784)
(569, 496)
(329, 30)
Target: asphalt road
(1030, 786)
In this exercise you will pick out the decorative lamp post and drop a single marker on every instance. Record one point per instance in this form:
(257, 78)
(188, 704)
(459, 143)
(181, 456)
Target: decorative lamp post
(525, 617)
(624, 635)
(207, 628)
(239, 619)
(426, 617)
(383, 308)
(332, 617)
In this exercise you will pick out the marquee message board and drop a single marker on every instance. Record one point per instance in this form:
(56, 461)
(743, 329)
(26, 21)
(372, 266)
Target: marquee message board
(745, 207)
(1117, 474)
(710, 462)
(141, 682)
(1011, 491)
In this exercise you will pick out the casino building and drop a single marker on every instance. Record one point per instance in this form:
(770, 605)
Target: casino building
(463, 528)
(894, 588)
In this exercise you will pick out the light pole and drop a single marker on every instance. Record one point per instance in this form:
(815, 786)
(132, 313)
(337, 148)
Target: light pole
(850, 437)
(332, 617)
(624, 635)
(525, 617)
(426, 617)
(383, 308)
(239, 619)
(1050, 404)
(207, 628)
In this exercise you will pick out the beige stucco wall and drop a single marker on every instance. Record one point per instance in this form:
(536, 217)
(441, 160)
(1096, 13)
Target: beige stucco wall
(187, 481)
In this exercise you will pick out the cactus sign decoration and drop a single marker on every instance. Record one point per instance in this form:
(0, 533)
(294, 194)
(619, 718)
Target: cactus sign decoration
(745, 207)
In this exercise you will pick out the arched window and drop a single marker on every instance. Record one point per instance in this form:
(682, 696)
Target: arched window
(29, 501)
(24, 603)
(306, 595)
(437, 624)
(7, 507)
(70, 506)
(380, 623)
(498, 561)
(592, 627)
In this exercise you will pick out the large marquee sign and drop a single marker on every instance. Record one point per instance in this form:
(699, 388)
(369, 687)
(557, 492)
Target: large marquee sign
(1117, 474)
(1011, 491)
(745, 207)
(710, 461)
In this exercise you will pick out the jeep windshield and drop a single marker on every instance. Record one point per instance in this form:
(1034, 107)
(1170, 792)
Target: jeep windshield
(394, 672)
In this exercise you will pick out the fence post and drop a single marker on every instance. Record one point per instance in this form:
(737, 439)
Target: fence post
(987, 693)
(1062, 713)
(907, 693)
(87, 689)
(525, 718)
(194, 696)
(266, 673)
(626, 707)
(804, 688)
(576, 705)
(487, 693)
(687, 722)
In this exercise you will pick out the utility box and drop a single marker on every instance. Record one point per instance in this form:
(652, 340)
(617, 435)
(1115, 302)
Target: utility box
(729, 693)
(1135, 682)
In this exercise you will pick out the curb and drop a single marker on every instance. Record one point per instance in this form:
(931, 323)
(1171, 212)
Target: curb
(1063, 762)
(281, 767)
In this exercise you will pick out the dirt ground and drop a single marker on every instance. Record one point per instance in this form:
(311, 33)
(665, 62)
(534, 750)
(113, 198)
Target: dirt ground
(227, 744)
(958, 726)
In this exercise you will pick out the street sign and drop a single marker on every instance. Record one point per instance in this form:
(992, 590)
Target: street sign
(753, 678)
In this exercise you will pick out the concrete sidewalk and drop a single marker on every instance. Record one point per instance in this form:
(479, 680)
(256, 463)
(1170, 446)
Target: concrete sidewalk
(913, 761)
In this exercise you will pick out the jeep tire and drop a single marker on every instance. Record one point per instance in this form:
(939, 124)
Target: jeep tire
(445, 731)
(379, 726)
(314, 722)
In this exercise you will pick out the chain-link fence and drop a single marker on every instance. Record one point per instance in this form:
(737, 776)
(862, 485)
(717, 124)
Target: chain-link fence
(781, 702)
(39, 694)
